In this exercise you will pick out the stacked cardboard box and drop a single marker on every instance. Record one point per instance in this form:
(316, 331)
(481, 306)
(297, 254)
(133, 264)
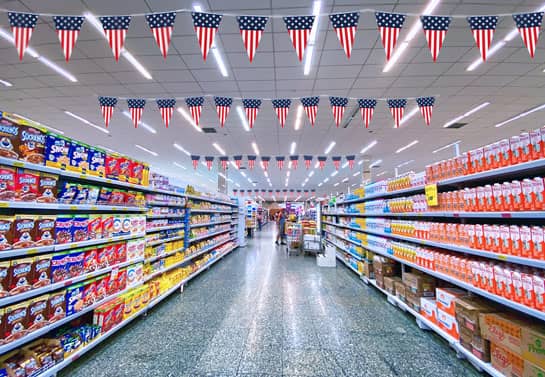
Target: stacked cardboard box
(384, 267)
(428, 308)
(446, 310)
(417, 285)
(401, 291)
(389, 284)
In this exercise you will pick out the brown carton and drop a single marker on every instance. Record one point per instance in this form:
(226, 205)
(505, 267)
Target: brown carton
(531, 370)
(468, 310)
(400, 290)
(389, 284)
(422, 285)
(506, 362)
(533, 345)
(413, 300)
(368, 270)
(385, 266)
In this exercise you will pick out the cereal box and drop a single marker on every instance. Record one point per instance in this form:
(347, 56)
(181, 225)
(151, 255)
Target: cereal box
(80, 228)
(6, 232)
(7, 183)
(57, 151)
(74, 299)
(9, 137)
(97, 161)
(45, 230)
(37, 312)
(137, 172)
(41, 271)
(89, 292)
(26, 185)
(67, 192)
(82, 194)
(32, 142)
(79, 157)
(16, 321)
(47, 188)
(24, 231)
(56, 306)
(124, 169)
(63, 229)
(90, 259)
(94, 227)
(20, 276)
(75, 263)
(4, 276)
(59, 266)
(104, 195)
(112, 166)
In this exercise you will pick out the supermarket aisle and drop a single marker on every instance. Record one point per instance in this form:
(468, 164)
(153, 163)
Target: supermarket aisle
(259, 313)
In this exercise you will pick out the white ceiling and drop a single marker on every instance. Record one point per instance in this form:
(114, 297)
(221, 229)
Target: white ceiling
(510, 81)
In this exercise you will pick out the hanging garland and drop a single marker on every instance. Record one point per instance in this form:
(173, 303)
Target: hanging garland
(287, 192)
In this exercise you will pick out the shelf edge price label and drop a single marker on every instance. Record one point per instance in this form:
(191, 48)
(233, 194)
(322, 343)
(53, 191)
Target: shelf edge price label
(431, 195)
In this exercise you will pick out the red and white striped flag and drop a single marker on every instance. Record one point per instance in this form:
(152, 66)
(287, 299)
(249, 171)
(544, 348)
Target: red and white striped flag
(336, 161)
(162, 25)
(224, 160)
(321, 162)
(299, 29)
(483, 28)
(107, 106)
(251, 29)
(68, 28)
(251, 107)
(308, 161)
(397, 108)
(195, 107)
(426, 107)
(195, 161)
(351, 160)
(294, 161)
(166, 108)
(338, 105)
(22, 26)
(238, 161)
(280, 162)
(435, 28)
(345, 25)
(136, 108)
(367, 108)
(251, 161)
(389, 26)
(310, 104)
(529, 25)
(209, 160)
(206, 25)
(115, 28)
(265, 162)
(281, 107)
(223, 105)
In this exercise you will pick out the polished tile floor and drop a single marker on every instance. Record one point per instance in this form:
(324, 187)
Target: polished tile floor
(260, 313)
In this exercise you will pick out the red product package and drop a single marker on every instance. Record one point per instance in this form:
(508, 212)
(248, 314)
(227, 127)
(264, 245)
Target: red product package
(112, 166)
(505, 152)
(24, 231)
(536, 145)
(107, 226)
(110, 251)
(112, 283)
(89, 293)
(120, 252)
(525, 148)
(124, 168)
(102, 287)
(137, 172)
(27, 185)
(102, 257)
(90, 260)
(94, 227)
(122, 279)
(7, 183)
(538, 186)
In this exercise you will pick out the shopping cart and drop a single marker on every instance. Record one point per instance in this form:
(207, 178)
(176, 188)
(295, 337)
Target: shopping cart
(294, 233)
(312, 244)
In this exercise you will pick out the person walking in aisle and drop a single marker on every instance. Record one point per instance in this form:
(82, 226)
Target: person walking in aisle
(281, 228)
(259, 221)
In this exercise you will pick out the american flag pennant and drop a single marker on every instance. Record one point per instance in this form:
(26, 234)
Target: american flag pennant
(299, 29)
(238, 161)
(280, 162)
(529, 25)
(294, 161)
(224, 160)
(351, 160)
(389, 26)
(308, 161)
(68, 28)
(162, 25)
(251, 161)
(281, 107)
(270, 192)
(136, 108)
(397, 108)
(265, 162)
(305, 192)
(206, 25)
(251, 29)
(310, 104)
(22, 26)
(242, 192)
(321, 162)
(263, 191)
(209, 160)
(166, 108)
(345, 25)
(338, 105)
(251, 107)
(115, 28)
(277, 192)
(194, 105)
(367, 108)
(483, 28)
(107, 106)
(223, 105)
(195, 161)
(235, 191)
(336, 161)
(426, 107)
(435, 28)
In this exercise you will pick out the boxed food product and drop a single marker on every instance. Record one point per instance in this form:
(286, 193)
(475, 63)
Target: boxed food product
(32, 142)
(124, 169)
(368, 270)
(26, 185)
(15, 321)
(48, 188)
(89, 293)
(45, 230)
(20, 276)
(505, 361)
(4, 278)
(97, 161)
(389, 283)
(80, 228)
(428, 308)
(480, 348)
(59, 266)
(41, 271)
(90, 261)
(56, 306)
(420, 284)
(135, 274)
(413, 300)
(532, 370)
(533, 345)
(94, 227)
(401, 288)
(468, 310)
(7, 183)
(63, 229)
(37, 312)
(6, 232)
(57, 151)
(9, 137)
(448, 324)
(112, 165)
(446, 299)
(79, 157)
(74, 299)
(137, 172)
(67, 192)
(24, 231)
(75, 263)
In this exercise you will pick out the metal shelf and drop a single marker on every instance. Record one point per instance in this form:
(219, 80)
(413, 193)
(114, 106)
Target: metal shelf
(208, 224)
(166, 204)
(211, 200)
(179, 216)
(157, 242)
(344, 238)
(358, 257)
(487, 215)
(208, 235)
(197, 210)
(166, 227)
(347, 264)
(70, 207)
(157, 257)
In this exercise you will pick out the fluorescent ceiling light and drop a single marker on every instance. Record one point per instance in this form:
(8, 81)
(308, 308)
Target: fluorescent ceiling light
(256, 149)
(470, 112)
(218, 148)
(40, 124)
(329, 147)
(317, 165)
(381, 173)
(311, 173)
(188, 117)
(107, 149)
(236, 184)
(145, 125)
(243, 119)
(375, 163)
(308, 57)
(368, 146)
(288, 173)
(249, 180)
(447, 146)
(222, 175)
(6, 83)
(83, 120)
(354, 184)
(292, 148)
(345, 165)
(345, 179)
(320, 184)
(146, 150)
(336, 184)
(312, 38)
(410, 36)
(405, 163)
(266, 174)
(414, 142)
(326, 179)
(299, 197)
(180, 165)
(298, 119)
(356, 174)
(521, 115)
(335, 173)
(360, 162)
(181, 149)
(243, 174)
(408, 116)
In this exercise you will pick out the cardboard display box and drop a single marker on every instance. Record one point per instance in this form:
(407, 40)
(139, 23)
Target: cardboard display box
(389, 284)
(446, 299)
(401, 290)
(468, 310)
(422, 285)
(428, 308)
(368, 270)
(506, 362)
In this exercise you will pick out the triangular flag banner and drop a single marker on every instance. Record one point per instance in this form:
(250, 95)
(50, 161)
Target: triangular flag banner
(389, 26)
(277, 192)
(397, 108)
(107, 106)
(338, 105)
(299, 29)
(281, 107)
(136, 108)
(235, 191)
(162, 25)
(280, 162)
(351, 160)
(310, 104)
(294, 160)
(68, 28)
(242, 192)
(435, 28)
(336, 162)
(195, 107)
(251, 162)
(321, 161)
(115, 28)
(426, 107)
(223, 105)
(166, 108)
(306, 192)
(195, 161)
(209, 160)
(529, 25)
(251, 29)
(483, 28)
(224, 160)
(251, 107)
(345, 25)
(367, 108)
(238, 161)
(265, 162)
(22, 26)
(206, 25)
(308, 161)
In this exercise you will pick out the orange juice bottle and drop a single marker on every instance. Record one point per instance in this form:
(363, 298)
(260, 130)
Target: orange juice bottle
(497, 195)
(516, 247)
(536, 144)
(538, 243)
(529, 298)
(516, 193)
(505, 240)
(538, 186)
(526, 241)
(525, 149)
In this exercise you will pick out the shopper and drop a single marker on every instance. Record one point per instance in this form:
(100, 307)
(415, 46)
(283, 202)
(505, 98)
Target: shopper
(259, 221)
(281, 231)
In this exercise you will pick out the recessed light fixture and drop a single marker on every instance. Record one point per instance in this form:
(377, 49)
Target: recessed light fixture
(405, 163)
(218, 148)
(368, 146)
(320, 184)
(408, 116)
(412, 143)
(311, 173)
(521, 115)
(326, 180)
(255, 148)
(345, 165)
(356, 174)
(146, 126)
(181, 149)
(336, 184)
(222, 175)
(146, 150)
(188, 117)
(243, 119)
(243, 174)
(375, 163)
(360, 162)
(180, 165)
(83, 120)
(465, 115)
(345, 179)
(447, 146)
(312, 38)
(335, 173)
(330, 147)
(292, 148)
(381, 173)
(6, 83)
(298, 118)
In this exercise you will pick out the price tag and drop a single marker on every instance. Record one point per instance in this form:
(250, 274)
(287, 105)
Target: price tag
(4, 204)
(74, 208)
(502, 257)
(19, 164)
(31, 251)
(113, 275)
(83, 176)
(431, 195)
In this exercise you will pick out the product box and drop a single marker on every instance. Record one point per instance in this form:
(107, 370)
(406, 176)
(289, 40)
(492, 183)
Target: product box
(448, 324)
(533, 345)
(468, 310)
(446, 299)
(385, 266)
(413, 300)
(32, 142)
(57, 151)
(97, 162)
(79, 157)
(420, 284)
(505, 361)
(428, 308)
(9, 135)
(112, 165)
(532, 370)
(480, 348)
(389, 284)
(368, 271)
(401, 289)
